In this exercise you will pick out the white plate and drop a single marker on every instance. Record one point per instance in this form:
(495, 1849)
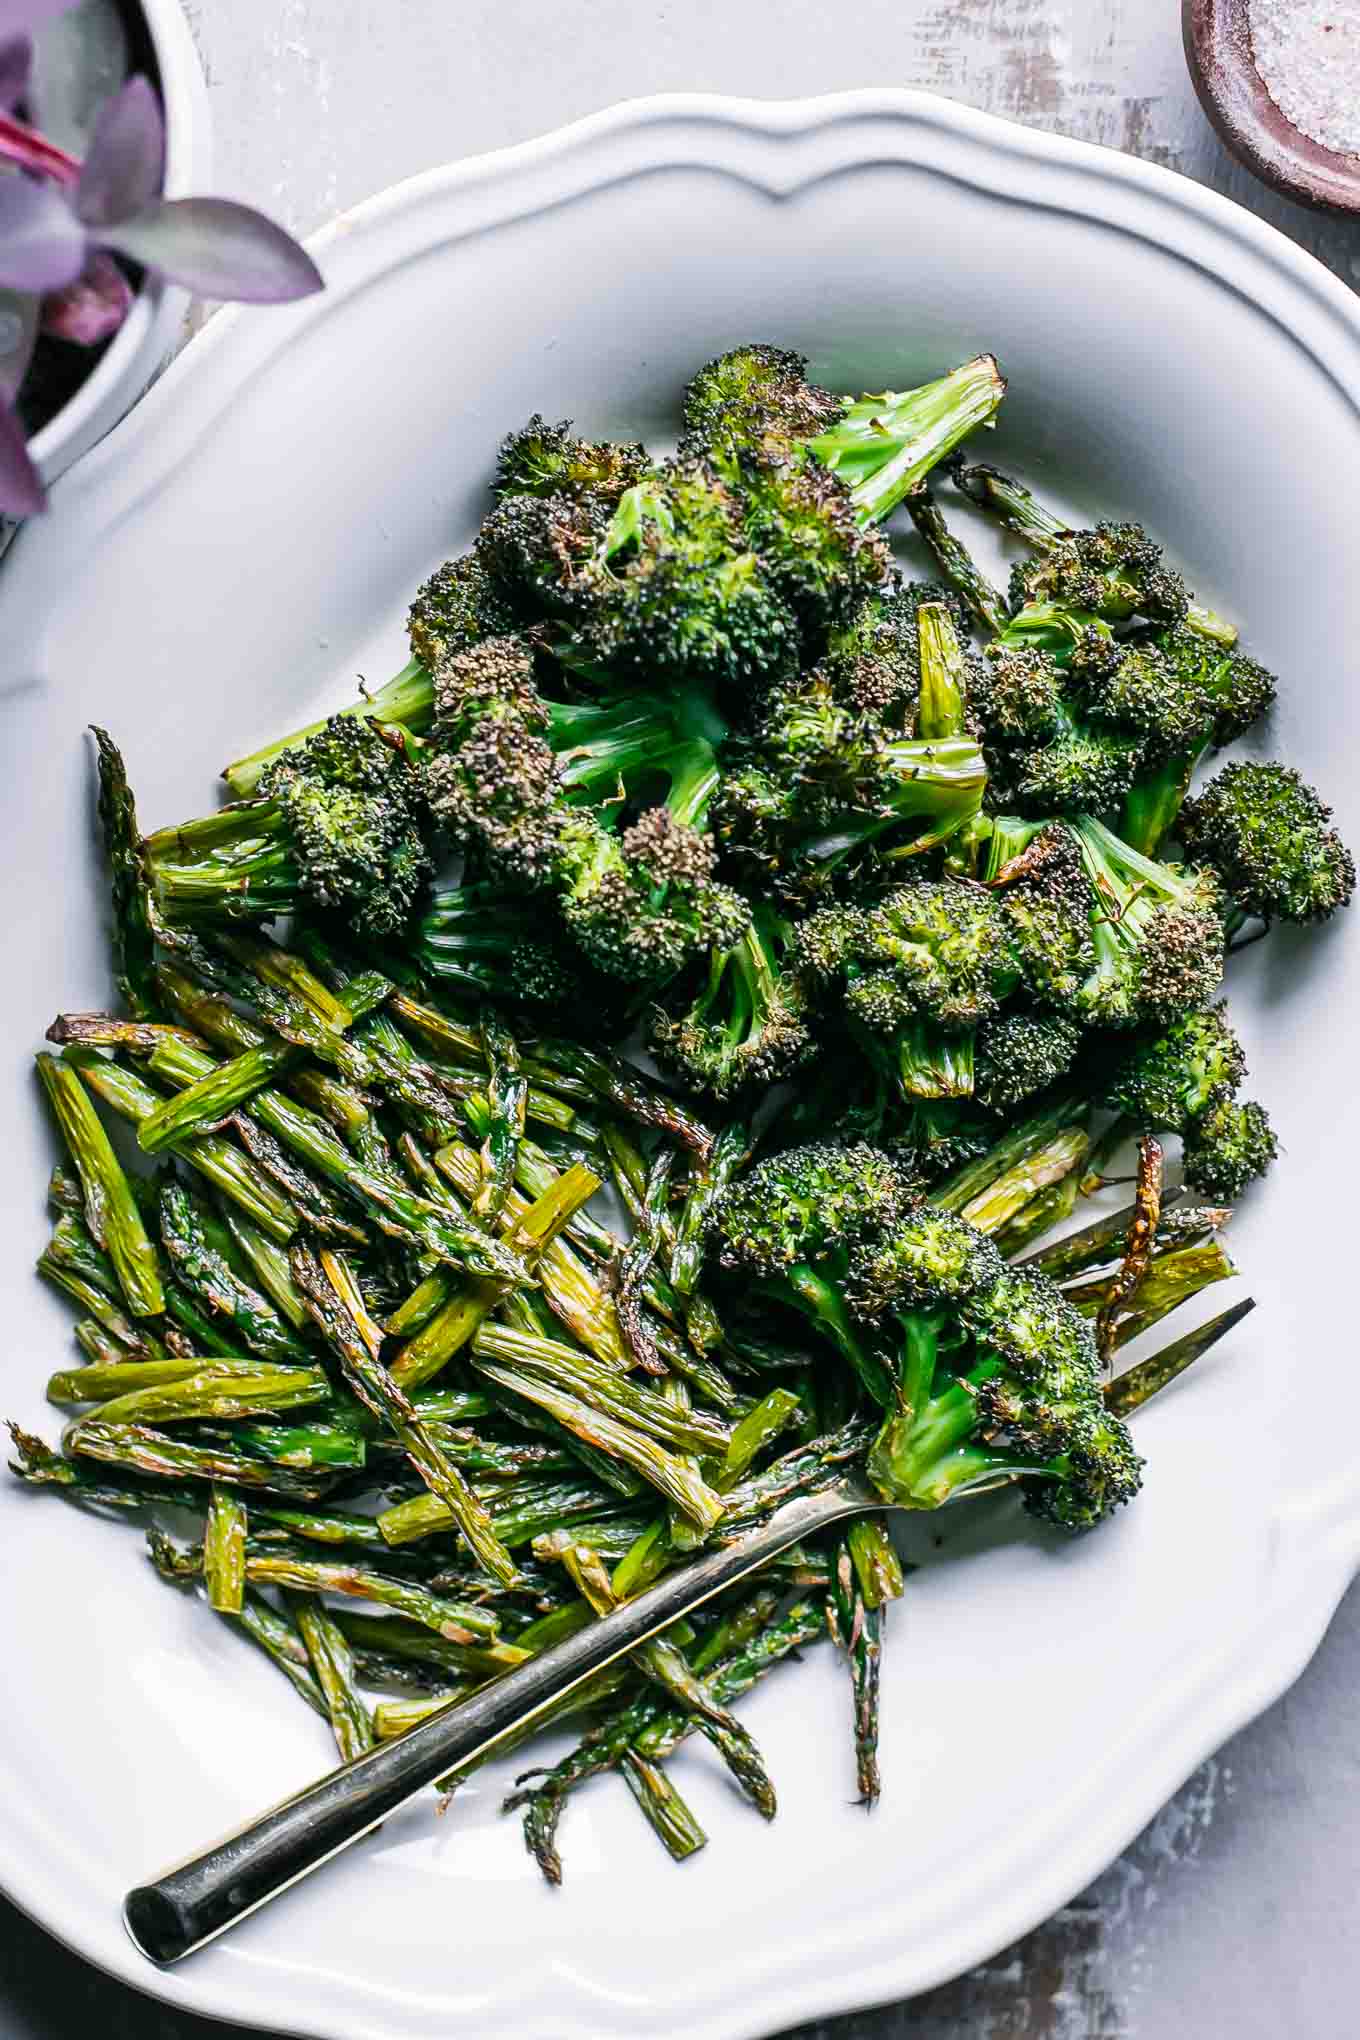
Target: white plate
(235, 553)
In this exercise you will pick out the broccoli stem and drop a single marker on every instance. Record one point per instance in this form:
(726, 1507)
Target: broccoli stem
(1128, 886)
(407, 699)
(1153, 802)
(882, 447)
(932, 1061)
(924, 1455)
(824, 1306)
(943, 702)
(956, 563)
(936, 782)
(229, 865)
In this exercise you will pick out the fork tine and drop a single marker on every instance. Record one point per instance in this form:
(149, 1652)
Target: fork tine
(1138, 1384)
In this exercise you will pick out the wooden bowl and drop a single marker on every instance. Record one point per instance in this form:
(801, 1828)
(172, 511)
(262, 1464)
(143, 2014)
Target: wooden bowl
(1233, 94)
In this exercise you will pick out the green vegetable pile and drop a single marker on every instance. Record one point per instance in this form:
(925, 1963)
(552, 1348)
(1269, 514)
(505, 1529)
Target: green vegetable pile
(909, 894)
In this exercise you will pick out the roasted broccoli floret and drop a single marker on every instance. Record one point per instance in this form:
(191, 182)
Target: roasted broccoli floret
(757, 399)
(602, 806)
(460, 604)
(873, 664)
(915, 973)
(1214, 696)
(1056, 751)
(801, 1205)
(1157, 931)
(494, 677)
(1181, 1073)
(1096, 567)
(1019, 1054)
(920, 794)
(337, 823)
(823, 787)
(1114, 570)
(992, 1374)
(1021, 1399)
(490, 775)
(1270, 838)
(546, 460)
(1041, 886)
(665, 586)
(1083, 721)
(800, 520)
(647, 902)
(1024, 1400)
(750, 1021)
(802, 1221)
(1227, 1148)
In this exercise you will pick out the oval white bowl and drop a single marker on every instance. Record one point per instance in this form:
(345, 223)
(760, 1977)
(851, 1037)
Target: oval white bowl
(234, 555)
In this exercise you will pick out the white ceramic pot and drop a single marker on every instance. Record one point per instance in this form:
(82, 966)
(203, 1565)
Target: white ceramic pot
(146, 340)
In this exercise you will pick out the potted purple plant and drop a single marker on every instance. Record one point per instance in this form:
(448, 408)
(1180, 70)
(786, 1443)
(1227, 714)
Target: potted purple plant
(88, 246)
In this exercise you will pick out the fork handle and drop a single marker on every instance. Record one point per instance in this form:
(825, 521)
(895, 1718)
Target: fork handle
(201, 1898)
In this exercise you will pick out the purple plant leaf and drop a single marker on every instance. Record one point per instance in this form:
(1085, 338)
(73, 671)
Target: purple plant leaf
(92, 307)
(16, 65)
(125, 161)
(17, 16)
(42, 243)
(21, 491)
(219, 249)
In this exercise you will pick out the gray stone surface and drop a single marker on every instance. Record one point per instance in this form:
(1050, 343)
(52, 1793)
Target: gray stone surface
(1234, 1912)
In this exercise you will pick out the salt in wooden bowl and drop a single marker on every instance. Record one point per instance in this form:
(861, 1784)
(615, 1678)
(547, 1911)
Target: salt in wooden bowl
(1234, 95)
